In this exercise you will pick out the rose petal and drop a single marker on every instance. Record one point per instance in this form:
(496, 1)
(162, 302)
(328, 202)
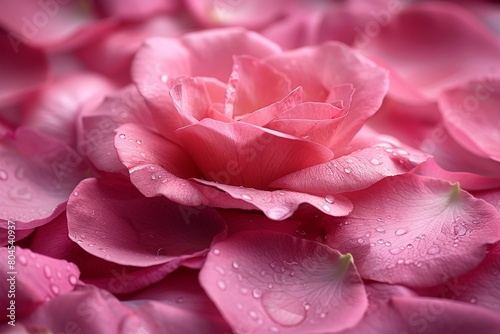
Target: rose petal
(415, 230)
(275, 282)
(470, 114)
(139, 231)
(38, 279)
(231, 153)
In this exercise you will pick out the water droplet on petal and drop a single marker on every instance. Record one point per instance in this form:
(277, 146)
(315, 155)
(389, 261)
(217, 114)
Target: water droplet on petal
(380, 241)
(395, 251)
(257, 293)
(307, 306)
(153, 177)
(220, 270)
(3, 175)
(401, 231)
(361, 241)
(138, 141)
(47, 271)
(164, 78)
(433, 250)
(22, 260)
(375, 161)
(330, 199)
(283, 308)
(347, 170)
(122, 136)
(473, 300)
(236, 264)
(75, 193)
(221, 284)
(278, 212)
(380, 229)
(262, 273)
(72, 279)
(244, 291)
(55, 289)
(409, 246)
(247, 197)
(368, 234)
(274, 329)
(270, 285)
(216, 251)
(387, 243)
(326, 208)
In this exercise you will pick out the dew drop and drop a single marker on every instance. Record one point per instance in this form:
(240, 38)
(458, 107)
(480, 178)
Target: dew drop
(307, 306)
(3, 175)
(375, 161)
(380, 229)
(244, 291)
(47, 271)
(278, 212)
(138, 141)
(326, 208)
(409, 246)
(164, 78)
(400, 231)
(274, 329)
(361, 241)
(247, 197)
(257, 293)
(220, 270)
(122, 136)
(400, 261)
(283, 308)
(216, 252)
(75, 193)
(395, 251)
(103, 249)
(387, 243)
(380, 241)
(372, 244)
(322, 315)
(55, 289)
(153, 177)
(236, 264)
(368, 234)
(23, 260)
(221, 284)
(270, 285)
(433, 250)
(72, 279)
(330, 199)
(347, 170)
(262, 273)
(91, 245)
(473, 300)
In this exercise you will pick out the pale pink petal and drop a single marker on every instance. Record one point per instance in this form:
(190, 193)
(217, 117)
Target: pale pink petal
(491, 196)
(433, 46)
(251, 14)
(273, 282)
(54, 108)
(208, 54)
(254, 85)
(354, 171)
(319, 69)
(281, 204)
(96, 127)
(23, 68)
(36, 279)
(471, 116)
(139, 231)
(468, 181)
(37, 174)
(246, 155)
(415, 230)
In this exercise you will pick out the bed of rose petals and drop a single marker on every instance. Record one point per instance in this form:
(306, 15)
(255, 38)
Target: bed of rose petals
(237, 166)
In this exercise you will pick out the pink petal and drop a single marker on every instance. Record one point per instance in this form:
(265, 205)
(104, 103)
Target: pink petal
(207, 54)
(319, 69)
(23, 68)
(239, 221)
(279, 205)
(468, 181)
(268, 281)
(415, 230)
(37, 174)
(55, 107)
(470, 114)
(480, 286)
(134, 9)
(434, 46)
(97, 125)
(139, 231)
(254, 85)
(251, 14)
(243, 154)
(357, 170)
(491, 196)
(37, 279)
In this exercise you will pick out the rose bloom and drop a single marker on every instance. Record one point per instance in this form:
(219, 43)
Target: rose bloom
(233, 187)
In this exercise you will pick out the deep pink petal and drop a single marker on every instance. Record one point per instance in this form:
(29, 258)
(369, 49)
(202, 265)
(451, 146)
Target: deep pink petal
(357, 170)
(279, 205)
(139, 231)
(321, 68)
(37, 279)
(243, 154)
(23, 68)
(97, 125)
(268, 281)
(471, 116)
(415, 230)
(54, 109)
(37, 174)
(433, 46)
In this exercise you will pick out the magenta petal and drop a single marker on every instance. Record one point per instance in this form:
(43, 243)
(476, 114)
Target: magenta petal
(355, 171)
(243, 154)
(279, 205)
(470, 114)
(138, 231)
(37, 279)
(37, 174)
(408, 225)
(268, 281)
(23, 68)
